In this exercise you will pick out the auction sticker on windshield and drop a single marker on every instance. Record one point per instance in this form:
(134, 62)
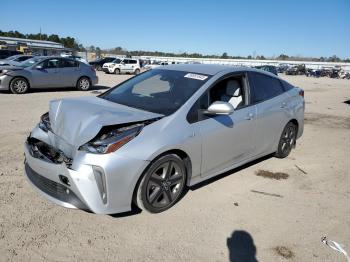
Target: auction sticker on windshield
(196, 76)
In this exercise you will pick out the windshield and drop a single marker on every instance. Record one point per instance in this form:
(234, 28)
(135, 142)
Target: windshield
(116, 61)
(30, 62)
(13, 57)
(158, 91)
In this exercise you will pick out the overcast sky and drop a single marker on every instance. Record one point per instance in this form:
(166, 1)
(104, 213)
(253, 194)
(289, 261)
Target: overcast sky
(250, 27)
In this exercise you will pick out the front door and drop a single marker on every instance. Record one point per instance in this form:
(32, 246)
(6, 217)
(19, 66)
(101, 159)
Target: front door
(227, 139)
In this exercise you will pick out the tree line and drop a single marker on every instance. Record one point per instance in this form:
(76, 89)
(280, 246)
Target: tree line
(71, 42)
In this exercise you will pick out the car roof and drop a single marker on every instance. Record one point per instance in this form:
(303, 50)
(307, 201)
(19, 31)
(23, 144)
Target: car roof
(211, 69)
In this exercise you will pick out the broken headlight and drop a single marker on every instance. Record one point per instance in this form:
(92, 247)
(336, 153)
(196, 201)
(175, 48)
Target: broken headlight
(113, 140)
(44, 123)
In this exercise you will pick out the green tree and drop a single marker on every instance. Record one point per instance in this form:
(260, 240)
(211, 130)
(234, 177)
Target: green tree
(224, 55)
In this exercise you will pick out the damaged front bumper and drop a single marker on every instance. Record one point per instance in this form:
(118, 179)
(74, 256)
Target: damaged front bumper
(103, 184)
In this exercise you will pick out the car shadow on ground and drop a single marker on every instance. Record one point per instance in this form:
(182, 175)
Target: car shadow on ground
(135, 210)
(241, 247)
(230, 172)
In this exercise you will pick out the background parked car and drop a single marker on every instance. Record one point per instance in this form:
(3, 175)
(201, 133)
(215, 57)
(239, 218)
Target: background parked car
(44, 72)
(268, 68)
(155, 65)
(296, 70)
(14, 60)
(6, 53)
(98, 63)
(75, 57)
(106, 66)
(126, 65)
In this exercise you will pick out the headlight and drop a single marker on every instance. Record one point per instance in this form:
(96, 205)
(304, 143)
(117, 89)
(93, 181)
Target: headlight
(113, 140)
(44, 123)
(111, 65)
(3, 72)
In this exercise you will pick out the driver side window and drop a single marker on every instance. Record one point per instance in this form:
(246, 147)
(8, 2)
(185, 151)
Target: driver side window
(230, 90)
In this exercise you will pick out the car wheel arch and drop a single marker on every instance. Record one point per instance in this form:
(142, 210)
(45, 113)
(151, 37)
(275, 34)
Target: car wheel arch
(19, 76)
(180, 153)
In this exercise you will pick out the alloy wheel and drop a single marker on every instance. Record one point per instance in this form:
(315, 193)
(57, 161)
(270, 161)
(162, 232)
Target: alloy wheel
(288, 139)
(20, 86)
(84, 84)
(165, 184)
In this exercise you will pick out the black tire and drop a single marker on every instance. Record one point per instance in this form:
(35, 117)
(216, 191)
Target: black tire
(162, 184)
(137, 71)
(287, 140)
(117, 71)
(19, 85)
(84, 83)
(99, 68)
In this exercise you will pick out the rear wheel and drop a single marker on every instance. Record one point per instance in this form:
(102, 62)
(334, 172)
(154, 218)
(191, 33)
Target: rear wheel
(137, 71)
(83, 83)
(287, 140)
(162, 184)
(19, 85)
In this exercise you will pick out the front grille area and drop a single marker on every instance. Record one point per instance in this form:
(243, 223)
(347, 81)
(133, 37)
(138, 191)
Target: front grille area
(54, 189)
(39, 149)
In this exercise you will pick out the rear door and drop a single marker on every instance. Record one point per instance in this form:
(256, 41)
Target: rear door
(47, 75)
(271, 101)
(68, 72)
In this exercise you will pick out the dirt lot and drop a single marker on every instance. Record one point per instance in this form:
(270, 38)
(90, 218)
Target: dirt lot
(279, 215)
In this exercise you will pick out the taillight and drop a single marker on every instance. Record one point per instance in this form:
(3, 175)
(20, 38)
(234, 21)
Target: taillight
(301, 92)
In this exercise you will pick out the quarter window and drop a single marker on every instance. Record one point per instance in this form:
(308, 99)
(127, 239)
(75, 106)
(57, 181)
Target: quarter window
(263, 87)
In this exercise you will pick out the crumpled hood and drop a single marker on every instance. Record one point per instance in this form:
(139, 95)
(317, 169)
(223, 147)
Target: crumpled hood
(78, 120)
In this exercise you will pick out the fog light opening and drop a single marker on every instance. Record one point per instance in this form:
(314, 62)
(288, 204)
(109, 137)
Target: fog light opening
(100, 178)
(64, 180)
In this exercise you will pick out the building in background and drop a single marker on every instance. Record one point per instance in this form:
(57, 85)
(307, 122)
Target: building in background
(31, 46)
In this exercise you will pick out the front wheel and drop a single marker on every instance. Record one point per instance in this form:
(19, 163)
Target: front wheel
(83, 84)
(162, 184)
(117, 71)
(287, 140)
(19, 85)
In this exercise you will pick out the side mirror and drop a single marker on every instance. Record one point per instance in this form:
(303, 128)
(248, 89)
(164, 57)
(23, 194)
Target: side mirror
(219, 108)
(39, 67)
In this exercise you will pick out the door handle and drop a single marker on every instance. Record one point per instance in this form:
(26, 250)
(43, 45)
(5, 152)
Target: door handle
(249, 116)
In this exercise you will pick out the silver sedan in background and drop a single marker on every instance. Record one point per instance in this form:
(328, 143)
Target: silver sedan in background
(46, 72)
(149, 137)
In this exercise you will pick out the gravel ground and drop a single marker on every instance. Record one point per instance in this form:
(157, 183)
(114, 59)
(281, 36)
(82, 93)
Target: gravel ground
(272, 210)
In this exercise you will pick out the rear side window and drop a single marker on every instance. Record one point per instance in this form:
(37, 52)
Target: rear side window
(286, 85)
(132, 62)
(68, 63)
(263, 87)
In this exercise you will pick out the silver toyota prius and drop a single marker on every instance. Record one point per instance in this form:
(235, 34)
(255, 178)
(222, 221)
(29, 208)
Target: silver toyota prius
(148, 138)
